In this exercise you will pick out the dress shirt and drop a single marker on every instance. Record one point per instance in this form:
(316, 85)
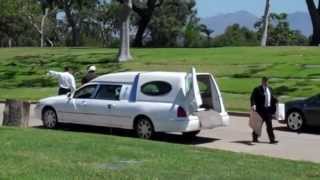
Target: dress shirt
(66, 80)
(267, 96)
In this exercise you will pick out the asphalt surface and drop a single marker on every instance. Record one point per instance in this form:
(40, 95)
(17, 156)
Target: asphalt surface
(303, 146)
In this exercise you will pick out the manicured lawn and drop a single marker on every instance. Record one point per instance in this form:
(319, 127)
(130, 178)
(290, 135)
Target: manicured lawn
(295, 71)
(45, 154)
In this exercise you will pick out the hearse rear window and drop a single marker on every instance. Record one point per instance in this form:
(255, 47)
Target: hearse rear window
(156, 88)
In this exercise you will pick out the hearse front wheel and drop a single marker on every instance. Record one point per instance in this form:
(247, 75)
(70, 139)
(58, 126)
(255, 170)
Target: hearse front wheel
(191, 134)
(49, 118)
(144, 128)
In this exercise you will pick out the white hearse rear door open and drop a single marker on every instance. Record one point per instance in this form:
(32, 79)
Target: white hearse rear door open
(205, 100)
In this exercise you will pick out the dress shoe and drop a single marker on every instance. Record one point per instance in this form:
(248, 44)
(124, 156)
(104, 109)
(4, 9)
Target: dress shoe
(274, 142)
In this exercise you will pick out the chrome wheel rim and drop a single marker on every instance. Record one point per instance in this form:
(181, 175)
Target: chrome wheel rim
(295, 121)
(50, 119)
(144, 129)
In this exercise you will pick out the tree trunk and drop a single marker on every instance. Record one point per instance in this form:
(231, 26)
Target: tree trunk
(266, 18)
(10, 42)
(50, 42)
(124, 51)
(315, 18)
(75, 28)
(43, 21)
(208, 39)
(16, 113)
(143, 24)
(75, 36)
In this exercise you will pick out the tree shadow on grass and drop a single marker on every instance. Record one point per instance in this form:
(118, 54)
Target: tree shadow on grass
(161, 137)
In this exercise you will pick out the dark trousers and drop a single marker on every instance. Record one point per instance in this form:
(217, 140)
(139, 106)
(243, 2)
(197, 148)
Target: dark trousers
(63, 91)
(266, 115)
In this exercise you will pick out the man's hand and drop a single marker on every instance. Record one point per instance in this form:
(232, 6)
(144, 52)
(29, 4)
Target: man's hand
(253, 108)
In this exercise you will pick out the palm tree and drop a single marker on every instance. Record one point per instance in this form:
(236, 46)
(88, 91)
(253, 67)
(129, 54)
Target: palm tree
(266, 24)
(124, 50)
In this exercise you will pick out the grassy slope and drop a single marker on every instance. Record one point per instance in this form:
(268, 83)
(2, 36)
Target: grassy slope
(295, 69)
(44, 154)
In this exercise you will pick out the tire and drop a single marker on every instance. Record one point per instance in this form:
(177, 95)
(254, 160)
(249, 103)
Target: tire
(295, 120)
(192, 134)
(144, 128)
(49, 118)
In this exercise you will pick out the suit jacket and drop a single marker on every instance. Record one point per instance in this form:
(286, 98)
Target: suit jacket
(88, 77)
(258, 99)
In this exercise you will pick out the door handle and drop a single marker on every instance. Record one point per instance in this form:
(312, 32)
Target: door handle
(109, 106)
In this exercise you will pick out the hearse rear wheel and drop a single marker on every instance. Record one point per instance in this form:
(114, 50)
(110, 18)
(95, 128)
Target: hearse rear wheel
(192, 134)
(144, 128)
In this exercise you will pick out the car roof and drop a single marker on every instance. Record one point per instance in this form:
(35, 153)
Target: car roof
(128, 77)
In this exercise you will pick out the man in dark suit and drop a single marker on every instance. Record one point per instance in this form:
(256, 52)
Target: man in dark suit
(91, 74)
(264, 103)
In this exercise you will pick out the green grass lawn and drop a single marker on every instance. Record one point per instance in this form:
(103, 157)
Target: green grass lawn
(295, 71)
(46, 154)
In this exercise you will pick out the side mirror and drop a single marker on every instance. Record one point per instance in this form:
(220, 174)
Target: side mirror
(69, 95)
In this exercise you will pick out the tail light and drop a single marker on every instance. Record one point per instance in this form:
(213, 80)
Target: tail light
(181, 113)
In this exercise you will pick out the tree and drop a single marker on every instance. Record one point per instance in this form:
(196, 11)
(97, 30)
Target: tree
(76, 11)
(315, 18)
(192, 35)
(107, 21)
(265, 24)
(145, 11)
(45, 6)
(235, 35)
(204, 29)
(11, 27)
(169, 21)
(31, 10)
(279, 31)
(12, 23)
(124, 50)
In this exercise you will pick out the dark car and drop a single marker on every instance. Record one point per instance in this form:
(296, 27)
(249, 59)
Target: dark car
(303, 113)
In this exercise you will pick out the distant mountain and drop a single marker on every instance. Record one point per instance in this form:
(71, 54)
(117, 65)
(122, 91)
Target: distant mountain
(298, 21)
(220, 22)
(301, 21)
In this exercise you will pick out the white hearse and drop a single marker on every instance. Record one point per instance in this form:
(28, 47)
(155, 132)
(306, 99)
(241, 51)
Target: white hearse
(146, 102)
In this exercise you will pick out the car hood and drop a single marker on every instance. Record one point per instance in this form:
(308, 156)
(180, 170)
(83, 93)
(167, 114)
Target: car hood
(53, 99)
(296, 102)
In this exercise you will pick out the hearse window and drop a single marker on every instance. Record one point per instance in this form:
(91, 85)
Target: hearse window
(85, 92)
(156, 88)
(203, 87)
(109, 92)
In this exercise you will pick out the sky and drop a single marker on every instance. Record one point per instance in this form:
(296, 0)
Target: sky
(207, 8)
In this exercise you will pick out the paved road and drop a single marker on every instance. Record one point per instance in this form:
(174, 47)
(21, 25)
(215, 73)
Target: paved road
(237, 137)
